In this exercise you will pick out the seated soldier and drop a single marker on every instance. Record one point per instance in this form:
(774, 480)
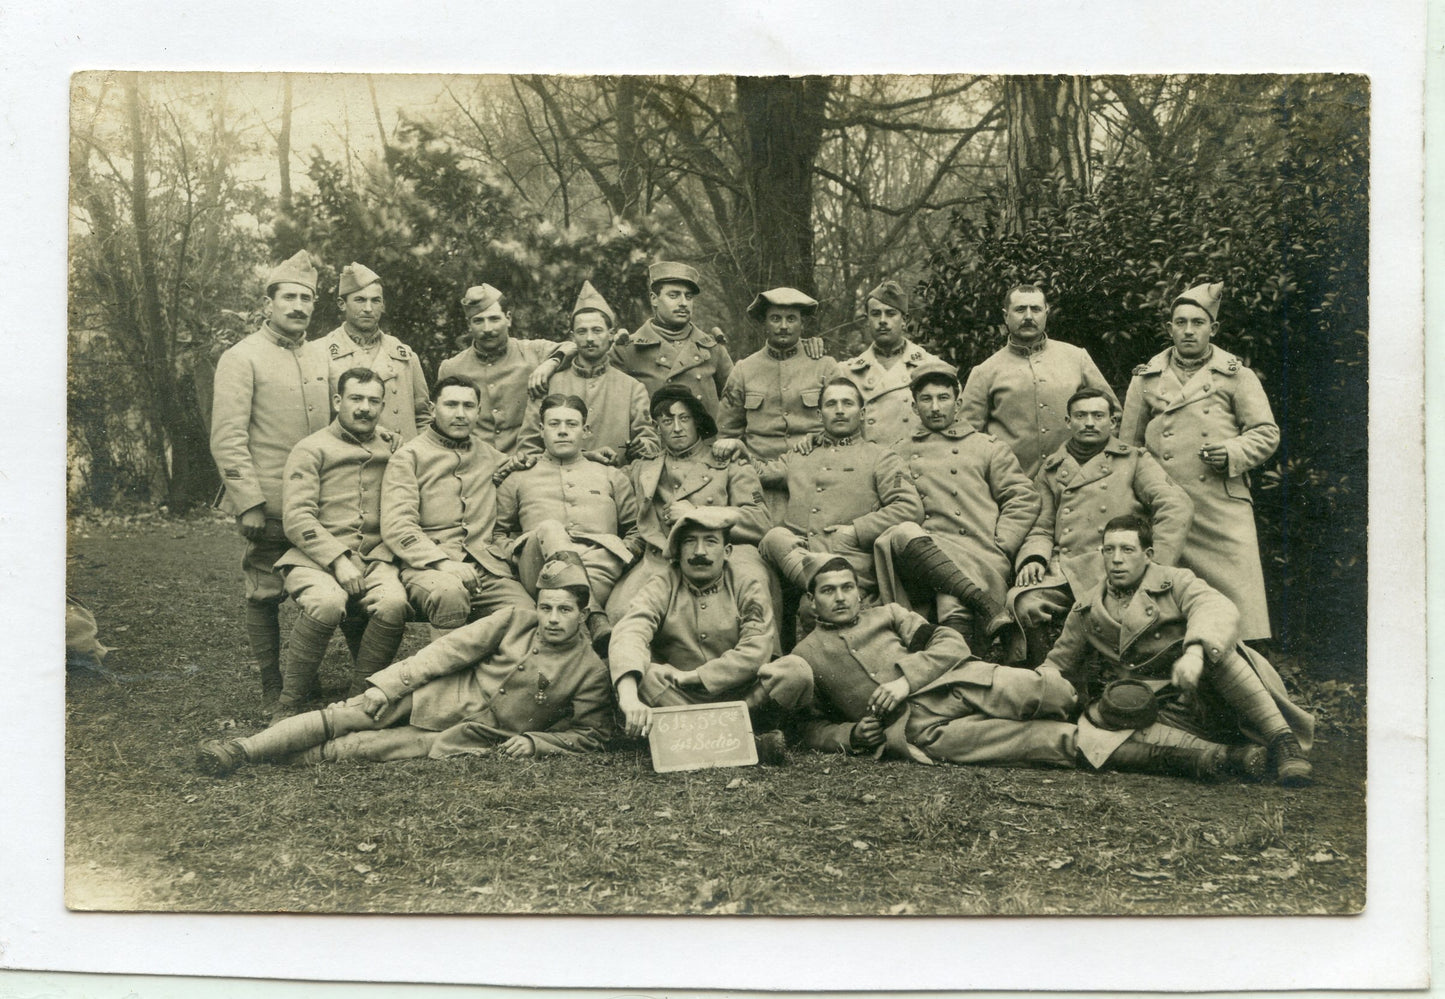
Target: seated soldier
(331, 513)
(886, 681)
(703, 632)
(1168, 628)
(566, 503)
(685, 477)
(523, 681)
(1093, 478)
(977, 507)
(842, 495)
(439, 511)
(621, 428)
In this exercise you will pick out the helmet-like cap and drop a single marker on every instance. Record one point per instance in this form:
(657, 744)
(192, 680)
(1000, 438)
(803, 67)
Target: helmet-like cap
(669, 270)
(790, 298)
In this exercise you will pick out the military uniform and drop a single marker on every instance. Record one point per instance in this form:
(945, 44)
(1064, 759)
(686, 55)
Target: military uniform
(502, 381)
(977, 506)
(771, 400)
(1223, 402)
(406, 409)
(581, 505)
(1020, 393)
(655, 356)
(959, 709)
(723, 632)
(841, 498)
(886, 391)
(1077, 502)
(616, 411)
(1170, 609)
(439, 503)
(470, 690)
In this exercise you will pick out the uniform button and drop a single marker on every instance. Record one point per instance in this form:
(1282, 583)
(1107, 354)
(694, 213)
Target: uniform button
(815, 509)
(1201, 478)
(1068, 509)
(953, 471)
(1041, 405)
(1167, 455)
(1156, 634)
(702, 634)
(703, 604)
(955, 450)
(521, 666)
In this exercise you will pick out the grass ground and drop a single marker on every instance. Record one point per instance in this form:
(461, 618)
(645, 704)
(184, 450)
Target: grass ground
(604, 834)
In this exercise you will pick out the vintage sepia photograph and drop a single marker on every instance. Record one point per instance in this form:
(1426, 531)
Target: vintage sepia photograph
(853, 495)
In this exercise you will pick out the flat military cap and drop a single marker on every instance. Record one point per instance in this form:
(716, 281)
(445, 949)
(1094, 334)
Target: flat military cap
(935, 369)
(1206, 296)
(668, 270)
(709, 518)
(354, 277)
(890, 292)
(562, 569)
(296, 269)
(480, 298)
(790, 298)
(590, 299)
(671, 392)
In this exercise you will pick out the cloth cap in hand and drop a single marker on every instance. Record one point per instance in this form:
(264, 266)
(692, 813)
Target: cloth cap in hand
(1206, 296)
(790, 298)
(296, 269)
(356, 276)
(670, 270)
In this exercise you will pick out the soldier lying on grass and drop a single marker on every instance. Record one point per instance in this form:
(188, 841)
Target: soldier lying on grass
(523, 681)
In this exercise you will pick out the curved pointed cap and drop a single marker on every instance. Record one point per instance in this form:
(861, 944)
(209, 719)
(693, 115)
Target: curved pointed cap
(589, 298)
(790, 297)
(563, 568)
(480, 298)
(709, 518)
(671, 270)
(354, 277)
(890, 292)
(1206, 296)
(296, 269)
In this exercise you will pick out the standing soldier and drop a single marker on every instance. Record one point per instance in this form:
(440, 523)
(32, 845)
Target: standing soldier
(977, 508)
(359, 342)
(269, 393)
(770, 402)
(439, 511)
(503, 368)
(1019, 393)
(669, 347)
(1083, 485)
(1204, 415)
(338, 562)
(621, 428)
(883, 372)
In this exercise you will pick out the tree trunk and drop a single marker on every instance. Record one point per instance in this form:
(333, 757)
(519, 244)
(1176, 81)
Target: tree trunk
(629, 156)
(283, 144)
(1048, 147)
(783, 130)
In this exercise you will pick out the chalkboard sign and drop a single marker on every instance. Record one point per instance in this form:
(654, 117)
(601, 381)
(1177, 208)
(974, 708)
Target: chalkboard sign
(699, 736)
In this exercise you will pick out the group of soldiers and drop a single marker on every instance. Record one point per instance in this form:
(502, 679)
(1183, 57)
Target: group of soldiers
(875, 555)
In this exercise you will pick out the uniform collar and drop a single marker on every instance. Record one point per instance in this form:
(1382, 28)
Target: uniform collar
(955, 431)
(1024, 350)
(343, 434)
(496, 356)
(903, 345)
(700, 591)
(781, 355)
(442, 440)
(365, 343)
(828, 441)
(281, 339)
(830, 626)
(687, 455)
(583, 371)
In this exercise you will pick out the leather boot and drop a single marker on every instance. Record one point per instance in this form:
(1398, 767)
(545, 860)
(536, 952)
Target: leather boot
(932, 569)
(1288, 761)
(1176, 761)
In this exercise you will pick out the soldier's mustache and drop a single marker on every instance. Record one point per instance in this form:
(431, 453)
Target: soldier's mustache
(699, 560)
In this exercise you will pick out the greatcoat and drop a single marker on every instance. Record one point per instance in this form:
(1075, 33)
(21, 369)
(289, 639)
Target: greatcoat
(503, 384)
(270, 392)
(1079, 500)
(693, 358)
(332, 497)
(592, 501)
(887, 392)
(495, 678)
(1019, 394)
(771, 400)
(1222, 403)
(617, 410)
(406, 408)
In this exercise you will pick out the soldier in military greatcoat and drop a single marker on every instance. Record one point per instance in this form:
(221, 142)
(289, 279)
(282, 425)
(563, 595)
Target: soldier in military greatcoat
(884, 372)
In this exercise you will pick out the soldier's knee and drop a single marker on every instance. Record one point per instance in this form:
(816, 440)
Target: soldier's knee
(898, 536)
(776, 544)
(325, 605)
(391, 608)
(447, 606)
(551, 533)
(788, 681)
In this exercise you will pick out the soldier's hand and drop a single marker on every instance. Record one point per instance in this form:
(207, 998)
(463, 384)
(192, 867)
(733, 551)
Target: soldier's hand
(1030, 575)
(1188, 668)
(252, 523)
(516, 463)
(888, 696)
(843, 534)
(464, 571)
(806, 445)
(541, 375)
(724, 448)
(636, 715)
(812, 346)
(678, 509)
(867, 733)
(640, 449)
(604, 456)
(373, 702)
(349, 575)
(1216, 456)
(669, 675)
(517, 747)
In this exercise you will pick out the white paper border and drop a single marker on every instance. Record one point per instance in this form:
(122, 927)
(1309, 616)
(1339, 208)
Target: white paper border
(1383, 948)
